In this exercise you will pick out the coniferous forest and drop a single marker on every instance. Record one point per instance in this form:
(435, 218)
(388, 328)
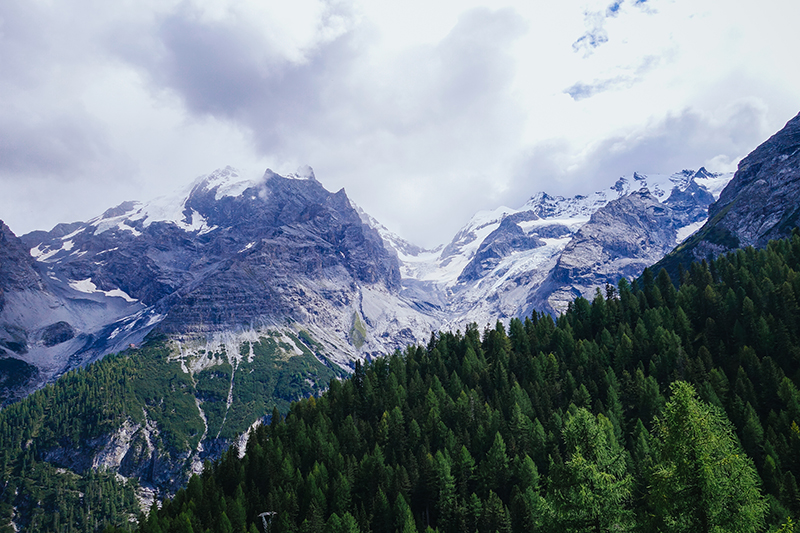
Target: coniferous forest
(661, 405)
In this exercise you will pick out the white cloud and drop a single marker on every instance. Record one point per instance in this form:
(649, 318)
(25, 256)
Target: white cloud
(424, 111)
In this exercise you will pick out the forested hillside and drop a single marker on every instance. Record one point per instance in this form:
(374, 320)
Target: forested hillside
(75, 455)
(649, 408)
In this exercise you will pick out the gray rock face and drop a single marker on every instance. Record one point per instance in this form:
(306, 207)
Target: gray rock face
(17, 274)
(16, 265)
(57, 333)
(691, 204)
(271, 242)
(620, 240)
(760, 203)
(500, 243)
(228, 255)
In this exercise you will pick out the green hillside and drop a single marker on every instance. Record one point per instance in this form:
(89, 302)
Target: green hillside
(650, 408)
(50, 442)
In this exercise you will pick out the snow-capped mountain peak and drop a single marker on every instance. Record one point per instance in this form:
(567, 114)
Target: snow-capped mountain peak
(501, 258)
(132, 216)
(226, 182)
(304, 172)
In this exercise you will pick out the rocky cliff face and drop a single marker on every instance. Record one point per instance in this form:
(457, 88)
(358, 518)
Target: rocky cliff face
(509, 262)
(508, 238)
(227, 255)
(760, 203)
(16, 265)
(16, 275)
(619, 240)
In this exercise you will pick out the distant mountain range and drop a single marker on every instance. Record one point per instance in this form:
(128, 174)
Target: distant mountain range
(229, 256)
(231, 269)
(508, 262)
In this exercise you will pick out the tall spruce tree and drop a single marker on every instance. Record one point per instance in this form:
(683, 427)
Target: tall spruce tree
(590, 492)
(703, 482)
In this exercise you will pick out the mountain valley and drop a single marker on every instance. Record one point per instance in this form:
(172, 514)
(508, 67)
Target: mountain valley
(234, 298)
(228, 258)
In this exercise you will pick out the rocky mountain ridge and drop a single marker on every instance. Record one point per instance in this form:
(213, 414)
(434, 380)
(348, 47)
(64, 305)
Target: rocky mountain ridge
(263, 290)
(231, 255)
(508, 262)
(759, 204)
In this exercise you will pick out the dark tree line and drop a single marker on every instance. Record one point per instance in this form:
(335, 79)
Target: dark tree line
(657, 406)
(48, 440)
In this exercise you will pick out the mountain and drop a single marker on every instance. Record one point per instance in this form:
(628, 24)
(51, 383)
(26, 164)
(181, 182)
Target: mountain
(226, 258)
(508, 262)
(656, 408)
(759, 204)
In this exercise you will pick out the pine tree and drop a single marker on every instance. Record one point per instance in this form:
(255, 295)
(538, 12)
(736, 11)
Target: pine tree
(704, 482)
(591, 490)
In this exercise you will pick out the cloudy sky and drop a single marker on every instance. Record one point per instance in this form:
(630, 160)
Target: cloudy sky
(424, 111)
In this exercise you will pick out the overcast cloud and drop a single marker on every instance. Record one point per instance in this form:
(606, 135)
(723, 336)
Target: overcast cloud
(424, 112)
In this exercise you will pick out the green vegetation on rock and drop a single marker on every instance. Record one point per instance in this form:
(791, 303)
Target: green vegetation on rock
(50, 442)
(358, 331)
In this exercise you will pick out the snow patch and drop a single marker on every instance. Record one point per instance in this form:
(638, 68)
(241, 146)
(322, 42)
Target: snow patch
(156, 318)
(71, 235)
(42, 252)
(87, 286)
(226, 181)
(125, 227)
(715, 183)
(84, 285)
(119, 293)
(573, 224)
(687, 231)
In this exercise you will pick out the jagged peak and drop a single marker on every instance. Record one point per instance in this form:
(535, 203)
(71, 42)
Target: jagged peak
(703, 173)
(225, 181)
(303, 172)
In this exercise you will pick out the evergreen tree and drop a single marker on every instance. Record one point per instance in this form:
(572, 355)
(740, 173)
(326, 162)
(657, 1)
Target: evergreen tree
(591, 491)
(704, 482)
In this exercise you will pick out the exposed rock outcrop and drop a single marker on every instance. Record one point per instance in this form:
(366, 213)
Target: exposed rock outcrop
(760, 203)
(620, 240)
